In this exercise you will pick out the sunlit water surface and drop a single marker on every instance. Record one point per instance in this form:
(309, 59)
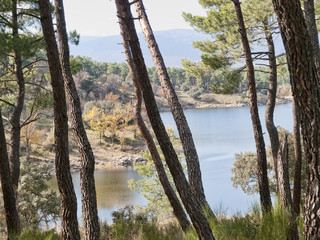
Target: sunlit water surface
(218, 134)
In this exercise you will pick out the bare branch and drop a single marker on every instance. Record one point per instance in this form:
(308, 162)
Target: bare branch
(38, 59)
(258, 70)
(260, 53)
(5, 118)
(5, 20)
(33, 105)
(25, 123)
(28, 14)
(38, 85)
(261, 64)
(2, 100)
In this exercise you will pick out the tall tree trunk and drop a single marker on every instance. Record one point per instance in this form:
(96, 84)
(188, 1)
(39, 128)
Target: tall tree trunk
(297, 159)
(190, 152)
(9, 199)
(272, 95)
(190, 202)
(284, 188)
(88, 191)
(171, 195)
(69, 221)
(265, 198)
(309, 14)
(306, 92)
(14, 118)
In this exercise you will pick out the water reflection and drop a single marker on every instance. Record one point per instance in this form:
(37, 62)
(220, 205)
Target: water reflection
(218, 134)
(112, 190)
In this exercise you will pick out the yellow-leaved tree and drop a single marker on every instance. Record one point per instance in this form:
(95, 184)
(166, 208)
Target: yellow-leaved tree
(95, 118)
(113, 122)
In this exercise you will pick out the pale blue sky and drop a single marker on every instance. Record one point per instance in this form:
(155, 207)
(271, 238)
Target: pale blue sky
(98, 17)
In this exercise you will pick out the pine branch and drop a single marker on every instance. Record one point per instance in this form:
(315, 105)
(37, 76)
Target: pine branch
(2, 100)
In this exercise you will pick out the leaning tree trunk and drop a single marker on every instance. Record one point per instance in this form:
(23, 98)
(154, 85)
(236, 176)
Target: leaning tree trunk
(190, 152)
(306, 92)
(14, 118)
(171, 195)
(191, 204)
(297, 159)
(272, 95)
(69, 221)
(309, 13)
(284, 188)
(265, 198)
(91, 225)
(9, 199)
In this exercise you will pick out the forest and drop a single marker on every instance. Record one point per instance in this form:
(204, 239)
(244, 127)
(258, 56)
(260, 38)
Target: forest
(61, 114)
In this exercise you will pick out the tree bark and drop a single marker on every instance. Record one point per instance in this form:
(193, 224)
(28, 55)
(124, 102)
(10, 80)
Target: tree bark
(284, 188)
(297, 159)
(91, 225)
(190, 202)
(14, 118)
(306, 92)
(265, 198)
(69, 221)
(171, 195)
(272, 94)
(9, 199)
(309, 14)
(190, 152)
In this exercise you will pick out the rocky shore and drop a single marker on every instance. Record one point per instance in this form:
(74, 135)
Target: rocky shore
(110, 157)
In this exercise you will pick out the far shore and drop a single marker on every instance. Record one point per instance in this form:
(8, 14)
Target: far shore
(109, 157)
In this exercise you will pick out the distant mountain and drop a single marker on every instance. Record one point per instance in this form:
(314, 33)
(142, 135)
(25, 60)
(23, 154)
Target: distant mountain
(174, 45)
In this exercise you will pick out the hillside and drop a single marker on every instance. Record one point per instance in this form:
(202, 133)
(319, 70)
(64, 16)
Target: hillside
(174, 45)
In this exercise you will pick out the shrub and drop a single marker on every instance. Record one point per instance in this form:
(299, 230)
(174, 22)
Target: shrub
(31, 234)
(130, 225)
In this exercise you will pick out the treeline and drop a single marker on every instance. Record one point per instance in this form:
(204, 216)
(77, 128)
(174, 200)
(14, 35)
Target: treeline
(25, 79)
(95, 80)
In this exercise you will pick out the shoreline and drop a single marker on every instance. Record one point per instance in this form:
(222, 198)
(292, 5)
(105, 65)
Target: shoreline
(116, 157)
(205, 105)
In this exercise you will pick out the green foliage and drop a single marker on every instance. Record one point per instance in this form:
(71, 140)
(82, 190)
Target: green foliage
(37, 203)
(86, 83)
(105, 106)
(75, 65)
(200, 71)
(43, 101)
(153, 76)
(74, 37)
(35, 234)
(223, 48)
(253, 225)
(225, 81)
(128, 225)
(275, 225)
(195, 92)
(113, 121)
(93, 68)
(150, 187)
(245, 168)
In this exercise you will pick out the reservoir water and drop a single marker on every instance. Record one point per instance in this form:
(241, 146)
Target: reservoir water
(218, 134)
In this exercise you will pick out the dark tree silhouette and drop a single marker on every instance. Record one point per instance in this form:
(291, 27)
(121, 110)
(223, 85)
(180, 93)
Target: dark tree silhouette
(305, 84)
(69, 221)
(191, 204)
(9, 200)
(88, 191)
(190, 152)
(264, 192)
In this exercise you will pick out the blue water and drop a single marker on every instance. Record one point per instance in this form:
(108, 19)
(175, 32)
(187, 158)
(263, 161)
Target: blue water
(218, 134)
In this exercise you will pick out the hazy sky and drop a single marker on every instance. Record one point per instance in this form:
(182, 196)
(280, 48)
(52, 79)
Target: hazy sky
(98, 17)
